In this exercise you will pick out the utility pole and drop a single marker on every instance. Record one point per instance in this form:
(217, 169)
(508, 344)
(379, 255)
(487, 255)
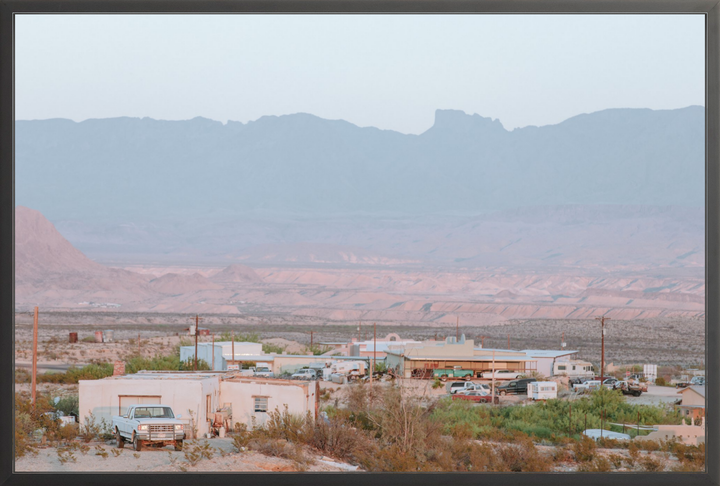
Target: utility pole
(562, 342)
(602, 349)
(457, 329)
(359, 335)
(138, 344)
(374, 346)
(482, 341)
(508, 341)
(34, 363)
(197, 331)
(492, 391)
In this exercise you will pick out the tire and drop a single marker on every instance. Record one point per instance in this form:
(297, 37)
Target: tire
(137, 444)
(467, 377)
(443, 378)
(178, 445)
(119, 439)
(503, 393)
(636, 394)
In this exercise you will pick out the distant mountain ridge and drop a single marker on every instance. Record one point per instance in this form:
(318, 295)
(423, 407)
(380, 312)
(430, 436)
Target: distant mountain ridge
(135, 169)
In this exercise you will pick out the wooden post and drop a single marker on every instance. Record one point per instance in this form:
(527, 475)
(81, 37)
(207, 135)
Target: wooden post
(34, 363)
(374, 346)
(638, 426)
(317, 398)
(138, 344)
(311, 341)
(508, 341)
(196, 339)
(493, 378)
(585, 421)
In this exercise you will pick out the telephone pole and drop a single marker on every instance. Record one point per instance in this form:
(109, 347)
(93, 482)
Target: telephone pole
(374, 346)
(34, 363)
(196, 331)
(602, 348)
(457, 329)
(508, 341)
(311, 341)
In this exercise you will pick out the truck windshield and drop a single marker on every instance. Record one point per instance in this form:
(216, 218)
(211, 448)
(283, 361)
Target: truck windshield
(154, 412)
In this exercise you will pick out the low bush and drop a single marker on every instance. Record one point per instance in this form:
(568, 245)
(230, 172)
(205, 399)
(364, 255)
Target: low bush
(584, 449)
(597, 464)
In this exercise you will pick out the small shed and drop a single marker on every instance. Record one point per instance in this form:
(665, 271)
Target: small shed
(542, 390)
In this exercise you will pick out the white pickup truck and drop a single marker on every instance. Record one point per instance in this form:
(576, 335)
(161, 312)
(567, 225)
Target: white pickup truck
(155, 424)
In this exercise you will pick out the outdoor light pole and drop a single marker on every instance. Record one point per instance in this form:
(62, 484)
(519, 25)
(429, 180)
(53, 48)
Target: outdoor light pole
(602, 349)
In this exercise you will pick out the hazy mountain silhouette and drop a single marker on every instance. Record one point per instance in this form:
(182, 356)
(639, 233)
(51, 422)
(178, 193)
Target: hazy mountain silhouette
(131, 169)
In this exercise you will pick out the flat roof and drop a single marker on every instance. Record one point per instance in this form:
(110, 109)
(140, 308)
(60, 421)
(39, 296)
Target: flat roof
(166, 375)
(233, 378)
(468, 358)
(546, 353)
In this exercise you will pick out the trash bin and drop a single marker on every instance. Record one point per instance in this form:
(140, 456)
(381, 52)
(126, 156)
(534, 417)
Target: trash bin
(98, 336)
(73, 337)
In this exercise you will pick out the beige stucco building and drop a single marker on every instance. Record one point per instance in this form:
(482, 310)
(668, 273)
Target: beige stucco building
(687, 433)
(196, 396)
(417, 360)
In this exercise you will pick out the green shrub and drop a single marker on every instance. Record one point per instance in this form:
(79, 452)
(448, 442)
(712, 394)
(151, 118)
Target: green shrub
(660, 381)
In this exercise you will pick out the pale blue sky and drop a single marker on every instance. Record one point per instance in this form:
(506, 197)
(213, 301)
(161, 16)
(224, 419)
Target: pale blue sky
(391, 72)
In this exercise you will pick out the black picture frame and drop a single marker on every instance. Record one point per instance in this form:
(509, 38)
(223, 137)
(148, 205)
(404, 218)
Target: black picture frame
(709, 8)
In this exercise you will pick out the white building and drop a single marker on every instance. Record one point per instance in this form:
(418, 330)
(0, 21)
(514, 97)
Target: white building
(551, 362)
(195, 396)
(223, 353)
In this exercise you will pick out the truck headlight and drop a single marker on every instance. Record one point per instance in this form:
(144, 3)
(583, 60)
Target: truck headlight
(178, 428)
(142, 427)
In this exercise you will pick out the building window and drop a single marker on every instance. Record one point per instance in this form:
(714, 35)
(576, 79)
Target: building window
(562, 367)
(261, 404)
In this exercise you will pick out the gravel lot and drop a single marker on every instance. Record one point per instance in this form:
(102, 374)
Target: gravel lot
(225, 459)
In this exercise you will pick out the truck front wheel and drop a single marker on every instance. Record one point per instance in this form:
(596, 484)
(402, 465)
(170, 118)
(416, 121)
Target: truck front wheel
(178, 445)
(119, 439)
(137, 444)
(443, 378)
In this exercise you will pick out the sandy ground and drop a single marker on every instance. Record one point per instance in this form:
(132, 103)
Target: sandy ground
(225, 459)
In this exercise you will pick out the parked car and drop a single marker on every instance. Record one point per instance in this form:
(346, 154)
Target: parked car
(306, 374)
(514, 387)
(697, 380)
(588, 385)
(478, 396)
(501, 374)
(465, 386)
(144, 424)
(264, 372)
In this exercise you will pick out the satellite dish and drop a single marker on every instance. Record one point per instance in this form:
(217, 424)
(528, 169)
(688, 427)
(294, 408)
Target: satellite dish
(57, 400)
